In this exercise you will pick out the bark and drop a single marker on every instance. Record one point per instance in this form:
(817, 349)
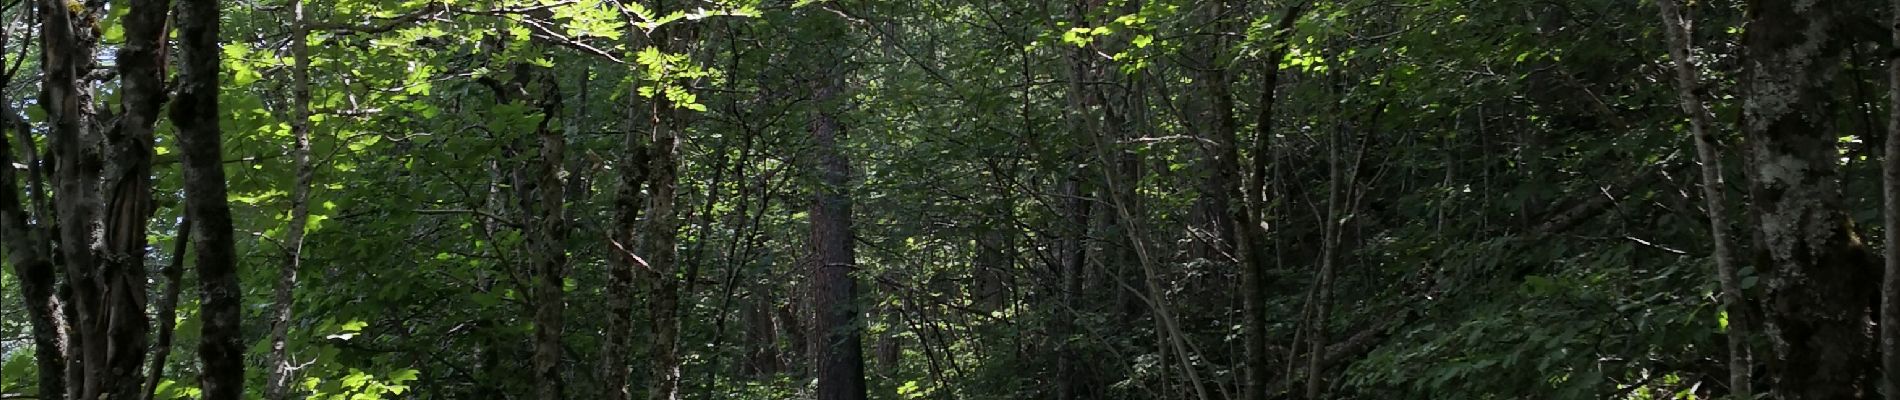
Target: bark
(837, 334)
(1819, 276)
(142, 76)
(540, 199)
(25, 252)
(77, 173)
(660, 245)
(195, 114)
(546, 240)
(278, 382)
(1678, 28)
(761, 334)
(105, 194)
(167, 310)
(1071, 379)
(994, 263)
(615, 369)
(1219, 189)
(1336, 197)
(1249, 231)
(1890, 282)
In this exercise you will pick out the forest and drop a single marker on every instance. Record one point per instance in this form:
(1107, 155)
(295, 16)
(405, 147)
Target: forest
(949, 199)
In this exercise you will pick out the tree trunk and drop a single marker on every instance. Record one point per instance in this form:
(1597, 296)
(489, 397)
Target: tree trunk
(1249, 229)
(77, 186)
(542, 202)
(1677, 27)
(1336, 197)
(34, 268)
(1819, 276)
(142, 67)
(837, 335)
(1890, 283)
(195, 114)
(277, 384)
(1072, 257)
(105, 194)
(168, 310)
(615, 369)
(994, 264)
(660, 245)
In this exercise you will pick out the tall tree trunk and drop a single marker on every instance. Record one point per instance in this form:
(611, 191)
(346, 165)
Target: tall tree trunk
(1249, 231)
(1220, 152)
(141, 65)
(615, 369)
(837, 335)
(1819, 276)
(1890, 283)
(105, 194)
(278, 362)
(543, 202)
(195, 114)
(1678, 28)
(1073, 378)
(76, 174)
(277, 384)
(129, 206)
(34, 268)
(660, 245)
(1072, 259)
(1337, 192)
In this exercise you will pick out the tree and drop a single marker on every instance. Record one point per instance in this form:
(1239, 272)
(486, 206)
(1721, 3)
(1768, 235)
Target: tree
(1816, 271)
(838, 348)
(195, 114)
(1677, 27)
(1890, 282)
(283, 298)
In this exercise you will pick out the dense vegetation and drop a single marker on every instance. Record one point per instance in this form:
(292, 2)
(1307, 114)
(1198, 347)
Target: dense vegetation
(949, 199)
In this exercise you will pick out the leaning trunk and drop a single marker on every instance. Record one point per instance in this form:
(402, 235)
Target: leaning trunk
(167, 310)
(1688, 83)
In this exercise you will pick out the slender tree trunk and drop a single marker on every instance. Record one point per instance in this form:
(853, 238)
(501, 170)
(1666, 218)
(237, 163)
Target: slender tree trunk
(1890, 283)
(1072, 374)
(1819, 277)
(837, 335)
(1071, 378)
(546, 242)
(616, 370)
(277, 384)
(1220, 151)
(34, 268)
(1678, 28)
(195, 114)
(168, 310)
(1249, 230)
(1336, 193)
(661, 248)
